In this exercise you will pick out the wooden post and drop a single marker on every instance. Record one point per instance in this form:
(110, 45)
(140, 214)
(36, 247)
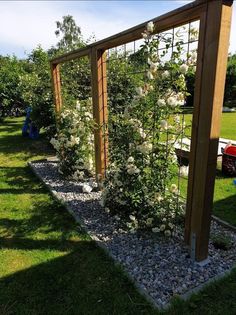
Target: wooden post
(215, 25)
(56, 82)
(99, 96)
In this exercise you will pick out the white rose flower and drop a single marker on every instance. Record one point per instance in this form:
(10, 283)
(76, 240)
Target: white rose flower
(158, 197)
(165, 74)
(183, 171)
(78, 105)
(141, 132)
(139, 91)
(162, 227)
(144, 35)
(88, 114)
(167, 233)
(150, 202)
(153, 67)
(177, 119)
(174, 188)
(150, 75)
(149, 221)
(130, 159)
(194, 56)
(155, 230)
(86, 188)
(132, 217)
(161, 102)
(132, 169)
(171, 101)
(183, 68)
(150, 26)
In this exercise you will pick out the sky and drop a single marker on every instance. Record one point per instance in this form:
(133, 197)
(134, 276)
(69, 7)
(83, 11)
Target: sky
(26, 24)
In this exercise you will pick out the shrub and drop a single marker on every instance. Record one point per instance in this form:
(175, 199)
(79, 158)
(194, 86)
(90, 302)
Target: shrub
(221, 241)
(138, 186)
(74, 141)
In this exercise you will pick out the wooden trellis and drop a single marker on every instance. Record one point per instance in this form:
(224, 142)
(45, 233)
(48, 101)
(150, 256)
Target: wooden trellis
(215, 22)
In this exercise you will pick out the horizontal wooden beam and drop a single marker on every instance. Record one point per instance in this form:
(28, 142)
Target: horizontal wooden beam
(177, 17)
(82, 52)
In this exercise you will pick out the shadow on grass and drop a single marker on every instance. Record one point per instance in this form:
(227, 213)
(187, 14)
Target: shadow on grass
(81, 282)
(20, 180)
(43, 217)
(12, 144)
(226, 209)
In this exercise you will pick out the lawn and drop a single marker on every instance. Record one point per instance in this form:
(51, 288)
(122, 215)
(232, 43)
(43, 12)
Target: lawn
(228, 125)
(48, 265)
(225, 191)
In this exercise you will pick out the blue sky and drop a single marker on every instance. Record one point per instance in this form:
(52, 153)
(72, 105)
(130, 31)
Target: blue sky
(25, 24)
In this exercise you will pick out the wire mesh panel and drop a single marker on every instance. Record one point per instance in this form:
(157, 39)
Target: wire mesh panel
(148, 128)
(150, 93)
(75, 137)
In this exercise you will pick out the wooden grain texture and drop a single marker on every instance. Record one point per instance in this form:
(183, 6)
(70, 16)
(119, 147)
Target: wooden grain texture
(210, 80)
(99, 96)
(82, 52)
(56, 83)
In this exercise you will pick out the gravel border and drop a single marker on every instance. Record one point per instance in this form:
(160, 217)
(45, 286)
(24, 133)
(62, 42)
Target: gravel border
(160, 268)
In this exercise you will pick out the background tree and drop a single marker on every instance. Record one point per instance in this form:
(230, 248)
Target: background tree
(230, 84)
(11, 70)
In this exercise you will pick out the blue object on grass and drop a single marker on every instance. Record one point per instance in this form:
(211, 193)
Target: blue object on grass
(234, 181)
(29, 129)
(34, 132)
(26, 126)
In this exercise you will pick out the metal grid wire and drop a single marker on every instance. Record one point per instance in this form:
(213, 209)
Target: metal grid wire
(76, 88)
(126, 66)
(75, 81)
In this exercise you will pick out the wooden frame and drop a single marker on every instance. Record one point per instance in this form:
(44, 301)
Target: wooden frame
(215, 20)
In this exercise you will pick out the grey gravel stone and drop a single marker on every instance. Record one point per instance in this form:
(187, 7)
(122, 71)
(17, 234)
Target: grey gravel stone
(160, 266)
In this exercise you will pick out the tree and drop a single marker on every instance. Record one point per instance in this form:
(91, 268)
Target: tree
(230, 83)
(70, 34)
(36, 89)
(11, 70)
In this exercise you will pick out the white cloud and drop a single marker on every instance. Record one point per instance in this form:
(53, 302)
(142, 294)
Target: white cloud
(28, 23)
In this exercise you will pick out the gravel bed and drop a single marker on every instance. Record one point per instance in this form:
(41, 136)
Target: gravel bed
(160, 267)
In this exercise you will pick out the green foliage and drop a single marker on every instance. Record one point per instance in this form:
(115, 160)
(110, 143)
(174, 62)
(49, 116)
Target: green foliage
(11, 70)
(138, 185)
(70, 34)
(221, 241)
(230, 84)
(37, 90)
(76, 81)
(74, 141)
(48, 265)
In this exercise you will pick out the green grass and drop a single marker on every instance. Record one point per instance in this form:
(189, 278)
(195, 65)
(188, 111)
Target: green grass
(225, 191)
(228, 125)
(48, 265)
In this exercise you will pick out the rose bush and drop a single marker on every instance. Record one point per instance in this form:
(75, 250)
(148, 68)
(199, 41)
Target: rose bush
(74, 141)
(139, 186)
